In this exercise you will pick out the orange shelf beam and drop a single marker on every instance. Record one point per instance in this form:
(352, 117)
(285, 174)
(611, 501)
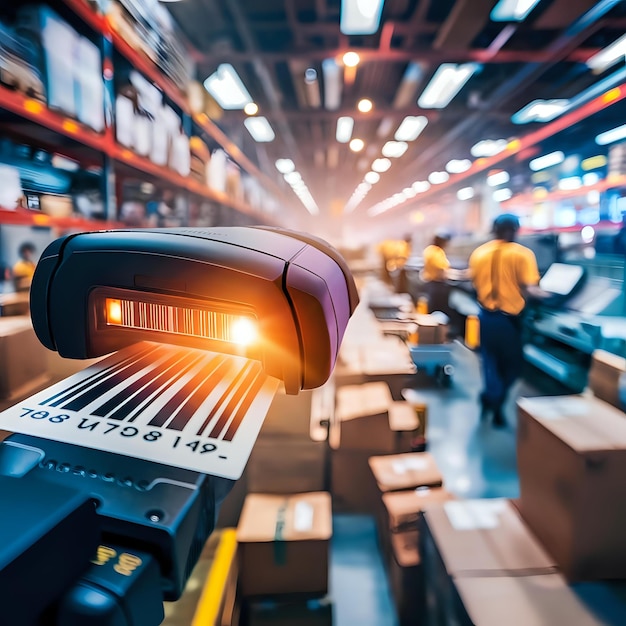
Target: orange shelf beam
(24, 217)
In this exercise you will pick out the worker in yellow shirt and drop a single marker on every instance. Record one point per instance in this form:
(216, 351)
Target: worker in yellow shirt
(503, 273)
(24, 269)
(435, 272)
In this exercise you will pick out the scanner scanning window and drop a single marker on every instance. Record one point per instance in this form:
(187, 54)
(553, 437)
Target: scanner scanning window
(178, 320)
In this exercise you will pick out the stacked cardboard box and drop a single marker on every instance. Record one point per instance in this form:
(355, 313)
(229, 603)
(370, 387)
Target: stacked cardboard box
(604, 376)
(571, 454)
(284, 545)
(483, 566)
(430, 328)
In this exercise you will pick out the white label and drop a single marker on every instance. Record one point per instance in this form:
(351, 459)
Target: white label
(401, 466)
(303, 517)
(474, 514)
(179, 406)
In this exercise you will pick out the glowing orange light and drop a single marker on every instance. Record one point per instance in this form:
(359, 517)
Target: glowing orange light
(69, 126)
(514, 144)
(612, 94)
(32, 106)
(114, 311)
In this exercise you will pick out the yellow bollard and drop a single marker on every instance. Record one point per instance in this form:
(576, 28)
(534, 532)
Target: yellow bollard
(422, 306)
(472, 332)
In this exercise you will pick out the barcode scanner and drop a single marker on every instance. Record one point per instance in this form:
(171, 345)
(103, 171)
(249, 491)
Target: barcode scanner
(281, 299)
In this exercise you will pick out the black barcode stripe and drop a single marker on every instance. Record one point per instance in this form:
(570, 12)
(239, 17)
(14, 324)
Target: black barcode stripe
(247, 401)
(119, 377)
(78, 387)
(239, 379)
(180, 396)
(235, 399)
(162, 383)
(122, 396)
(188, 410)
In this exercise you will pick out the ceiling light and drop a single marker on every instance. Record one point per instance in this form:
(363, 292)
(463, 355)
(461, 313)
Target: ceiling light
(351, 59)
(333, 83)
(312, 87)
(260, 129)
(421, 186)
(437, 178)
(610, 136)
(63, 163)
(591, 178)
(465, 194)
(498, 178)
(344, 129)
(365, 105)
(608, 56)
(293, 178)
(381, 165)
(570, 183)
(540, 111)
(500, 195)
(458, 166)
(360, 17)
(410, 128)
(284, 166)
(445, 84)
(512, 10)
(227, 88)
(372, 177)
(356, 145)
(488, 147)
(394, 149)
(251, 108)
(409, 192)
(594, 162)
(547, 160)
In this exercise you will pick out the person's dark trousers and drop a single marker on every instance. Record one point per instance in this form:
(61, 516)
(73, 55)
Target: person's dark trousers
(502, 353)
(438, 294)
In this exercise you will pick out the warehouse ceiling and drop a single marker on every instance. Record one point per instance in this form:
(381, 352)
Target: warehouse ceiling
(272, 44)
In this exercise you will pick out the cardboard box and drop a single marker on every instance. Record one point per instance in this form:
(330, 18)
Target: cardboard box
(287, 465)
(23, 360)
(352, 483)
(487, 536)
(604, 376)
(520, 601)
(571, 453)
(312, 613)
(289, 414)
(403, 507)
(397, 472)
(405, 578)
(284, 544)
(404, 422)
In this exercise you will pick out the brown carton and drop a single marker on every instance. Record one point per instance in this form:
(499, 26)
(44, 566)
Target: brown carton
(289, 414)
(397, 472)
(403, 507)
(352, 482)
(404, 422)
(284, 544)
(405, 577)
(604, 375)
(290, 614)
(571, 453)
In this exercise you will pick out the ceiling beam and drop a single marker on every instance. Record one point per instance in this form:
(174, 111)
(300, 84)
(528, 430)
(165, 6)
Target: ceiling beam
(464, 22)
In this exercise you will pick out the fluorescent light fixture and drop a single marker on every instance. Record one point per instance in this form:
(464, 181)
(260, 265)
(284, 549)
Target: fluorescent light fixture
(381, 165)
(293, 178)
(351, 59)
(63, 163)
(512, 10)
(540, 111)
(547, 160)
(260, 129)
(587, 234)
(365, 105)
(301, 190)
(594, 162)
(611, 136)
(344, 129)
(252, 108)
(438, 178)
(411, 127)
(593, 196)
(446, 82)
(458, 166)
(333, 84)
(372, 177)
(488, 147)
(284, 166)
(363, 188)
(227, 89)
(421, 186)
(409, 192)
(608, 56)
(465, 194)
(394, 149)
(498, 178)
(356, 145)
(591, 178)
(360, 17)
(500, 195)
(312, 88)
(570, 183)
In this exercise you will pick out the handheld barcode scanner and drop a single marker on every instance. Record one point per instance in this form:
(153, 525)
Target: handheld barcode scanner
(281, 298)
(277, 296)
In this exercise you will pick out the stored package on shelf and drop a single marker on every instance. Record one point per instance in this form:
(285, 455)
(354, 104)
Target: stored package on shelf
(89, 84)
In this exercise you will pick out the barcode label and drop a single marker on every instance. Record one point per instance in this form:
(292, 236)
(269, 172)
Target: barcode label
(179, 406)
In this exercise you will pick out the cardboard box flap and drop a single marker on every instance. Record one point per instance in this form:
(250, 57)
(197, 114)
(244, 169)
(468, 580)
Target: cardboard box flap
(394, 472)
(298, 517)
(402, 417)
(426, 320)
(476, 536)
(608, 360)
(404, 507)
(405, 548)
(584, 423)
(354, 401)
(523, 601)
